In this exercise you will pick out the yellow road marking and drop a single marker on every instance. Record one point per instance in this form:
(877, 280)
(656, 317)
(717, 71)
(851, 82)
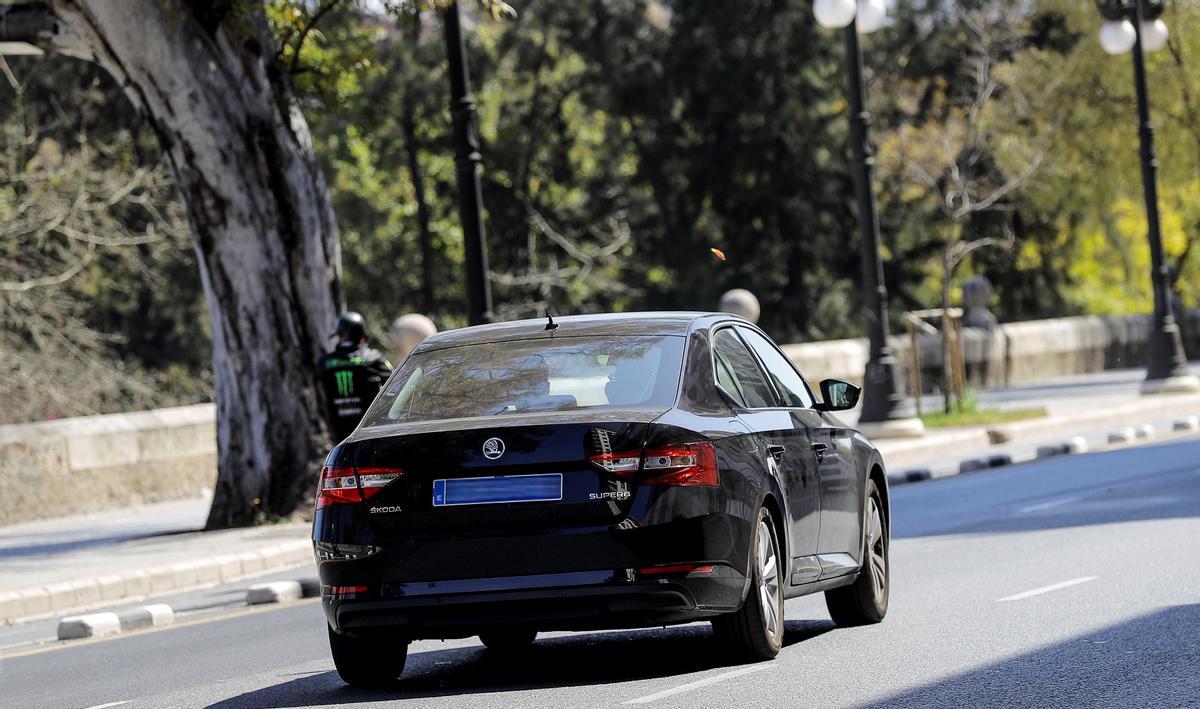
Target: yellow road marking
(62, 645)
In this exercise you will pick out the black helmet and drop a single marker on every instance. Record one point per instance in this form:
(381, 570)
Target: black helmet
(351, 327)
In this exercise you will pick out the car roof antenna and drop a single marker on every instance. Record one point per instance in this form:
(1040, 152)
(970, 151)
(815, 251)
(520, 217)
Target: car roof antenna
(551, 326)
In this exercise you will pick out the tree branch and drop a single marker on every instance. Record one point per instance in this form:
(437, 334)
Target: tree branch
(308, 27)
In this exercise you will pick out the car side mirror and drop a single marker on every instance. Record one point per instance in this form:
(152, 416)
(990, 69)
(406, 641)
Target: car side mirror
(838, 395)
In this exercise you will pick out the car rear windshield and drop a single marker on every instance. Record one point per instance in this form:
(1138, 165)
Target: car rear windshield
(552, 374)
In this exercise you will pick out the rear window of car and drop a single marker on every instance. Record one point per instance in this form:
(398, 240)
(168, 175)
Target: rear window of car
(553, 374)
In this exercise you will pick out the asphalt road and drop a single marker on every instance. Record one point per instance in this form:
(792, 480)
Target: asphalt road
(1069, 582)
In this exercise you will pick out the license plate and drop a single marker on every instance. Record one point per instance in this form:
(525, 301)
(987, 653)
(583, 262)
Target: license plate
(497, 489)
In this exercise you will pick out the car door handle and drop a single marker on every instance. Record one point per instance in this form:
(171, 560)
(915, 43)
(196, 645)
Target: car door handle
(819, 449)
(776, 451)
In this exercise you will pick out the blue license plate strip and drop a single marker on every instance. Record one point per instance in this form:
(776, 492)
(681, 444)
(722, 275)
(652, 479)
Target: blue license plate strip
(497, 489)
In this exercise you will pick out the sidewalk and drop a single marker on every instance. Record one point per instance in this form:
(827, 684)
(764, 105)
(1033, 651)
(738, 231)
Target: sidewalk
(74, 563)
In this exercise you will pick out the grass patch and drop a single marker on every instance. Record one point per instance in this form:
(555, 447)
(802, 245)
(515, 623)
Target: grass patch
(980, 417)
(968, 412)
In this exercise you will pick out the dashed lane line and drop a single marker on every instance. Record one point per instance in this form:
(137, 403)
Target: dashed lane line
(1046, 589)
(697, 684)
(1049, 504)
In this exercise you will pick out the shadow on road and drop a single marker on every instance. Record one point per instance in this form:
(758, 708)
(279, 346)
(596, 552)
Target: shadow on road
(571, 661)
(1149, 661)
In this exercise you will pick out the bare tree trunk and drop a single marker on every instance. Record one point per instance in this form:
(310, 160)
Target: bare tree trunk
(206, 79)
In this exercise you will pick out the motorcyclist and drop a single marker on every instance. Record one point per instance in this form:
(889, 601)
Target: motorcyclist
(351, 375)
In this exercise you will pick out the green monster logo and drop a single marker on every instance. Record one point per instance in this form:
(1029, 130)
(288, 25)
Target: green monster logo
(345, 382)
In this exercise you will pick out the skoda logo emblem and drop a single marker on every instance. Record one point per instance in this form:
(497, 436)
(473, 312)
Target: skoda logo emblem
(493, 448)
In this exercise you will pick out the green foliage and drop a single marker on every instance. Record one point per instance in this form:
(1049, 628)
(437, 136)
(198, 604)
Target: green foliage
(622, 141)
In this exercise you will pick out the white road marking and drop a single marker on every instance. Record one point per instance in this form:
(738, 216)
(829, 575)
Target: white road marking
(110, 704)
(1047, 505)
(696, 685)
(1046, 589)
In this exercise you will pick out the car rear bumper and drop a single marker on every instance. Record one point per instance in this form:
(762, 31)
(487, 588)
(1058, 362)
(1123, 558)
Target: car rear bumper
(636, 573)
(576, 601)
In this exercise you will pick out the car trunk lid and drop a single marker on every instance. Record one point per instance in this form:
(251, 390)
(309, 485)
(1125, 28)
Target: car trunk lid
(497, 475)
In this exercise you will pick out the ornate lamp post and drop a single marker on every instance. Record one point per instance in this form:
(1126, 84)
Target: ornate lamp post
(1135, 25)
(467, 161)
(887, 411)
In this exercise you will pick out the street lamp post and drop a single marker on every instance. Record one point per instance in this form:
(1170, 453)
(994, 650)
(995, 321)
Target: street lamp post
(1135, 25)
(467, 160)
(887, 410)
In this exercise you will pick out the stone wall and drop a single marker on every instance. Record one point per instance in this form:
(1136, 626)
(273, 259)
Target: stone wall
(96, 463)
(1018, 353)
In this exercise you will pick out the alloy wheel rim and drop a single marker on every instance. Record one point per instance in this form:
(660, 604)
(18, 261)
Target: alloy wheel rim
(768, 587)
(876, 547)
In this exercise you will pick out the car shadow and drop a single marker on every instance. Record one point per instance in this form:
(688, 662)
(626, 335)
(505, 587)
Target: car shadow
(575, 660)
(1147, 661)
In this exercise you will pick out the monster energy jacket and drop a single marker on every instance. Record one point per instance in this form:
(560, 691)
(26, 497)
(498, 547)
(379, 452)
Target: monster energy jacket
(351, 376)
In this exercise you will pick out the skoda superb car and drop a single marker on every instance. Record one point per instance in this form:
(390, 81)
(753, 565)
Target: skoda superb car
(596, 472)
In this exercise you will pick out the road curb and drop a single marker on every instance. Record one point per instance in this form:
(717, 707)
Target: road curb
(1157, 406)
(1120, 438)
(907, 452)
(91, 593)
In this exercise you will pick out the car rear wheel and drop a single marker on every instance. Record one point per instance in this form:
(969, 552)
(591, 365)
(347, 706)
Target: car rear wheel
(866, 600)
(367, 661)
(756, 629)
(504, 640)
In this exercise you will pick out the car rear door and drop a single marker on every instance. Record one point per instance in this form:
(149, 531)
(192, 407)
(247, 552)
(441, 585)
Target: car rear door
(788, 453)
(840, 489)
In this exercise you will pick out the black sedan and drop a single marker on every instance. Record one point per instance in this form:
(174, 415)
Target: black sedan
(605, 471)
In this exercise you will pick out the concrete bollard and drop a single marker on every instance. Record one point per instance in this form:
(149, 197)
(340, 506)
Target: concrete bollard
(740, 301)
(149, 616)
(1052, 451)
(1187, 423)
(275, 592)
(407, 332)
(1124, 435)
(972, 465)
(92, 625)
(918, 475)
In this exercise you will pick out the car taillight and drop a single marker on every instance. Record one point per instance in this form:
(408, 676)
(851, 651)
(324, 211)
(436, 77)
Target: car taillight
(676, 464)
(623, 464)
(345, 485)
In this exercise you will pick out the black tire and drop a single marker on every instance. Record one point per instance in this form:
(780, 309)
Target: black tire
(866, 600)
(755, 631)
(368, 661)
(508, 640)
